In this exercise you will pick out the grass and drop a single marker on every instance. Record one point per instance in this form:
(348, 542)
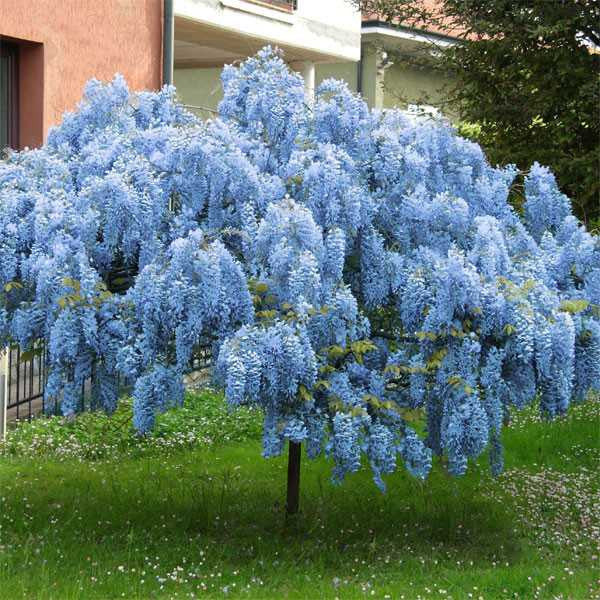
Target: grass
(204, 519)
(203, 422)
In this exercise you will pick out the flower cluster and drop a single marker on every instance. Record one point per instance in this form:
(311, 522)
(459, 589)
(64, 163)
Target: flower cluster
(351, 270)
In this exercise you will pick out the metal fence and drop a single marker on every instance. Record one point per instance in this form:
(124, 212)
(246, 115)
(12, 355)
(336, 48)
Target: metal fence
(24, 382)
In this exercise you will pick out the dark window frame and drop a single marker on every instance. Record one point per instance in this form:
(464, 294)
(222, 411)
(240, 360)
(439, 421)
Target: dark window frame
(286, 5)
(9, 76)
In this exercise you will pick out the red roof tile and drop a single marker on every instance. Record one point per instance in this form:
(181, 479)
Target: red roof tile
(446, 28)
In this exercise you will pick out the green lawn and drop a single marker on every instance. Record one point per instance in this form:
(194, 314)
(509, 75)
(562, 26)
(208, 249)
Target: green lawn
(207, 521)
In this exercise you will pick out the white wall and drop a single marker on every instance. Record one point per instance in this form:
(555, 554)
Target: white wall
(347, 72)
(199, 87)
(332, 13)
(202, 87)
(328, 27)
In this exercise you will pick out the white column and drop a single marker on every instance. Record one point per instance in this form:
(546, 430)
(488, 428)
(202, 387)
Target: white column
(308, 73)
(374, 64)
(307, 70)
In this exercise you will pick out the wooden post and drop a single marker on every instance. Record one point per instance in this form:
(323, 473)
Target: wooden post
(293, 481)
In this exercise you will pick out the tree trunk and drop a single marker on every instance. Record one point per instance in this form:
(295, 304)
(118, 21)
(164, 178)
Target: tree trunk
(293, 482)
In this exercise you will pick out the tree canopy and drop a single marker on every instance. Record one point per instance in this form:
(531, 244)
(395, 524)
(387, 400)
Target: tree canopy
(353, 271)
(527, 73)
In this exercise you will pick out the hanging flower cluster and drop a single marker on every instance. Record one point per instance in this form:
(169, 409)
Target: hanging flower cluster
(359, 275)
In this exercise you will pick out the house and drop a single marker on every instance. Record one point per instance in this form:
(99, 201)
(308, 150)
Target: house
(399, 66)
(49, 49)
(319, 39)
(329, 36)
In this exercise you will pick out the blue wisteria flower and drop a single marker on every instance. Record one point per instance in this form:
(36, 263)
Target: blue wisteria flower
(352, 271)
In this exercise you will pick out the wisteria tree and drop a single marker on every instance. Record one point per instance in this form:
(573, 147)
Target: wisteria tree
(347, 268)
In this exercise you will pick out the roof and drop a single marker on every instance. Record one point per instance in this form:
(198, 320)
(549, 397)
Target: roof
(445, 29)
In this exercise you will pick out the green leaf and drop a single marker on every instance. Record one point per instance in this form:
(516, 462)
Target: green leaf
(357, 411)
(304, 393)
(372, 400)
(455, 380)
(528, 285)
(573, 306)
(426, 335)
(336, 352)
(266, 314)
(28, 355)
(72, 283)
(322, 384)
(509, 329)
(13, 285)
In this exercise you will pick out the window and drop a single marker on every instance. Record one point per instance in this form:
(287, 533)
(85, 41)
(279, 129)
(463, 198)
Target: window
(9, 95)
(283, 4)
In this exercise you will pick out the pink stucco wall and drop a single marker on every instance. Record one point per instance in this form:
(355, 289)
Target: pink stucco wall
(73, 41)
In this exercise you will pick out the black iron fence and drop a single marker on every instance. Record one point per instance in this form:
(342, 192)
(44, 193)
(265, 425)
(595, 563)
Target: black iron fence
(25, 381)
